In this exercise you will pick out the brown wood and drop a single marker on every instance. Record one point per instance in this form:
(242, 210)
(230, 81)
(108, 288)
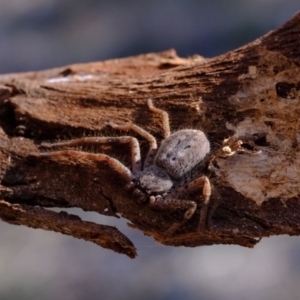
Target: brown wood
(252, 93)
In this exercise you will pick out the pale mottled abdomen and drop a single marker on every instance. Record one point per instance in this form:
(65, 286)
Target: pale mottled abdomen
(182, 151)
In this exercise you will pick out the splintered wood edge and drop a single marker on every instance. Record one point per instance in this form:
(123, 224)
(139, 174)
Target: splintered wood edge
(36, 217)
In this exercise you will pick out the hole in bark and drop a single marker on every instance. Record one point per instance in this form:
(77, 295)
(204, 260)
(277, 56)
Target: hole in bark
(247, 146)
(286, 90)
(7, 118)
(269, 123)
(66, 72)
(261, 139)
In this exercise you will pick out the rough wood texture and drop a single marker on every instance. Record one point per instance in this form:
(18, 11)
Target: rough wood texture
(251, 93)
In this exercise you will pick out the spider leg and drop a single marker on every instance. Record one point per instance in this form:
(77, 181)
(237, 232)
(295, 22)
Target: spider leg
(165, 117)
(143, 133)
(123, 171)
(135, 147)
(174, 204)
(206, 192)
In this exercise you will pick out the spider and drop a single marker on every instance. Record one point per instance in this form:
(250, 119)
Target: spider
(165, 175)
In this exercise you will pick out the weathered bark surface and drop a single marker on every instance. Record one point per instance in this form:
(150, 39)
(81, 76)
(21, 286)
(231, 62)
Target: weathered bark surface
(251, 93)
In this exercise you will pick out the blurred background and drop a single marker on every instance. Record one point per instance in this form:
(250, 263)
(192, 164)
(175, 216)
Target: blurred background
(36, 264)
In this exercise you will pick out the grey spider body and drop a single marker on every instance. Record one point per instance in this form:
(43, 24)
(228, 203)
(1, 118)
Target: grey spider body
(175, 158)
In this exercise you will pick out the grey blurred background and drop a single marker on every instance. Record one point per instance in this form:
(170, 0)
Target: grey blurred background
(36, 264)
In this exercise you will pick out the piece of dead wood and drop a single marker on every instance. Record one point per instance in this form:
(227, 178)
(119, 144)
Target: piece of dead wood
(251, 93)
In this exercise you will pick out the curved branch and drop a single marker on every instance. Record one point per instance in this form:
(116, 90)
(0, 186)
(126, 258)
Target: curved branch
(251, 93)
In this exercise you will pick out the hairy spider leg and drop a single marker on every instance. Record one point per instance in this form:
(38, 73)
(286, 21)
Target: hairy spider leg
(165, 118)
(192, 186)
(123, 171)
(174, 205)
(135, 147)
(143, 133)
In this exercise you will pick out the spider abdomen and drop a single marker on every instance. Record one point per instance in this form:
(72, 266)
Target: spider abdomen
(182, 151)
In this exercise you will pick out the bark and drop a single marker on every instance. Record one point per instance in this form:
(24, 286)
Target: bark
(251, 93)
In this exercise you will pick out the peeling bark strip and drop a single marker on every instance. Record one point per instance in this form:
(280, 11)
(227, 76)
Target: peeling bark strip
(38, 217)
(252, 93)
